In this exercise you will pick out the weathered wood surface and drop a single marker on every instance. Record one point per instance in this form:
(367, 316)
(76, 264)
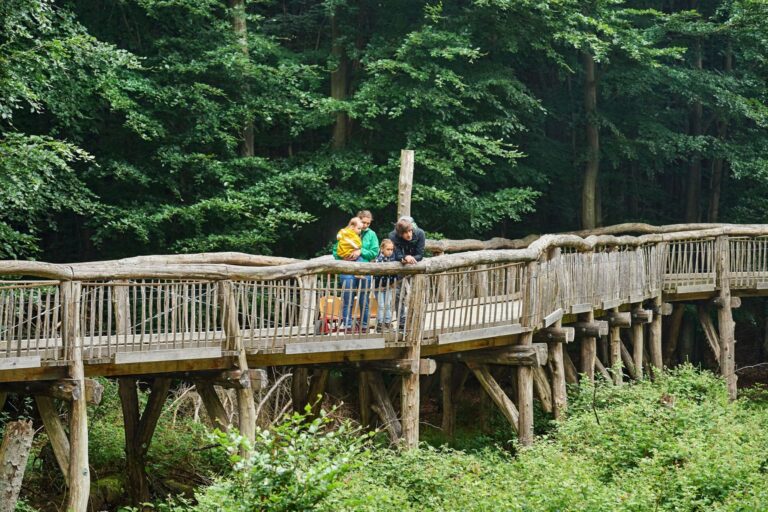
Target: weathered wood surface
(107, 270)
(497, 394)
(14, 452)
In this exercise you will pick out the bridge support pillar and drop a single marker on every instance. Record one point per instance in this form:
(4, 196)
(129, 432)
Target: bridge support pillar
(525, 397)
(588, 349)
(637, 340)
(726, 325)
(657, 352)
(615, 350)
(556, 364)
(410, 391)
(79, 472)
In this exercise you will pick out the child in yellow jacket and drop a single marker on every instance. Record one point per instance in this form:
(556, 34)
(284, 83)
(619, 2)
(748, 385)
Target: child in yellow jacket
(349, 238)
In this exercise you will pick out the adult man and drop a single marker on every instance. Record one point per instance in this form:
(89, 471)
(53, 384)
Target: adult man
(409, 243)
(360, 285)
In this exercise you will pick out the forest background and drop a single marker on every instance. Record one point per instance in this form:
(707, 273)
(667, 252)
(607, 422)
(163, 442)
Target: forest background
(163, 126)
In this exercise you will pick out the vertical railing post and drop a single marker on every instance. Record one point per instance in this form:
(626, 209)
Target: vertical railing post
(79, 473)
(410, 384)
(525, 373)
(234, 341)
(726, 325)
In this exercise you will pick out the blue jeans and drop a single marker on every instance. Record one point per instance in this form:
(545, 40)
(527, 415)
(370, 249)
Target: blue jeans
(384, 299)
(349, 287)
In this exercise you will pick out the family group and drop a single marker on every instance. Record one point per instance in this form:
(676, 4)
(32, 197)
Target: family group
(358, 242)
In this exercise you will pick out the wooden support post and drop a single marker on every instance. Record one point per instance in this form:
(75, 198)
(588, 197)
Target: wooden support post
(542, 388)
(629, 363)
(14, 452)
(299, 388)
(139, 429)
(3, 397)
(383, 407)
(601, 370)
(588, 348)
(234, 341)
(55, 432)
(710, 333)
(637, 340)
(725, 323)
(213, 406)
(410, 392)
(673, 333)
(525, 397)
(364, 393)
(405, 183)
(449, 411)
(615, 350)
(571, 375)
(557, 370)
(502, 401)
(317, 385)
(79, 472)
(657, 354)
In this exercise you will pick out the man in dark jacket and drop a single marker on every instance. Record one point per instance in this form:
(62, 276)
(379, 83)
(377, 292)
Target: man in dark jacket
(409, 243)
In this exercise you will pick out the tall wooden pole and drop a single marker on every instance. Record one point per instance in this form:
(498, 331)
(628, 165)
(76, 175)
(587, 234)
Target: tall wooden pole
(405, 184)
(245, 404)
(557, 367)
(725, 322)
(615, 352)
(79, 473)
(637, 344)
(588, 349)
(657, 356)
(410, 391)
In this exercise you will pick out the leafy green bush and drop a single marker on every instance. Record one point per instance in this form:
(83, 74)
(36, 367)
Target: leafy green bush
(673, 444)
(292, 466)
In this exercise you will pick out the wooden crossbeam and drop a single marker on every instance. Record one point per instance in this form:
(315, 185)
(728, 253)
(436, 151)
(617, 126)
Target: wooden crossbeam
(404, 366)
(554, 334)
(514, 355)
(64, 389)
(593, 329)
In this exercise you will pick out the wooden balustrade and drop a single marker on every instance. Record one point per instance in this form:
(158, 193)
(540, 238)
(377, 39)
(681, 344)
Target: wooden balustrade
(304, 313)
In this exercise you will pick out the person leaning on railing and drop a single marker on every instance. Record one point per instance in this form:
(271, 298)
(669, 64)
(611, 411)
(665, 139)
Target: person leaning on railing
(351, 284)
(409, 242)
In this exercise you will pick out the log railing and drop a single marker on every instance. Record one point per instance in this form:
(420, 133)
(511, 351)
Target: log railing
(175, 308)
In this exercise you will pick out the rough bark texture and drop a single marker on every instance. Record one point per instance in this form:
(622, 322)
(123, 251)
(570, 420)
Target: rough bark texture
(589, 195)
(240, 28)
(14, 452)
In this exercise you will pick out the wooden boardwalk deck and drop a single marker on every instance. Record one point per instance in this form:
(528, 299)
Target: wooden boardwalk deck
(213, 322)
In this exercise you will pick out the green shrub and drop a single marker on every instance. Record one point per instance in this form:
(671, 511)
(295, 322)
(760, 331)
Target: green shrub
(673, 444)
(292, 466)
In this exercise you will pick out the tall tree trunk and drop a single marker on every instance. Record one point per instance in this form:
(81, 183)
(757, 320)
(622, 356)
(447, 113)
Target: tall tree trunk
(240, 28)
(693, 192)
(339, 83)
(589, 196)
(719, 165)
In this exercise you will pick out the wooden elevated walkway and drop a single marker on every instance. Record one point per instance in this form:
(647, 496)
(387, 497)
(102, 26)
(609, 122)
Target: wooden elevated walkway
(219, 318)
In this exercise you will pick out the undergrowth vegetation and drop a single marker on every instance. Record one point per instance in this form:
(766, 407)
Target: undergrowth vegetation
(673, 444)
